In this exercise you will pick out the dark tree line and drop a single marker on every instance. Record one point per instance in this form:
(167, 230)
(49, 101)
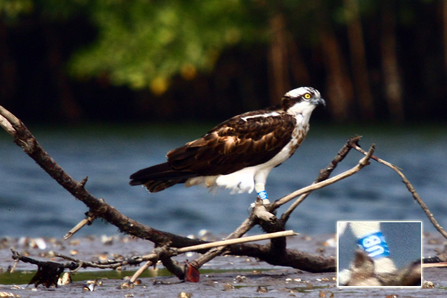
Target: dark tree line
(139, 60)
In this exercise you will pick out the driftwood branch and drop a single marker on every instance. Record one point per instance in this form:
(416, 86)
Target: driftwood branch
(168, 244)
(150, 259)
(47, 273)
(98, 208)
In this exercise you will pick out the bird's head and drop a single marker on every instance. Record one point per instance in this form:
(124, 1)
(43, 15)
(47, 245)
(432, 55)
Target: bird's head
(301, 100)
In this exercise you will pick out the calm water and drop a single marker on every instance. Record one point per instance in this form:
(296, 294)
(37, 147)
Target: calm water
(32, 204)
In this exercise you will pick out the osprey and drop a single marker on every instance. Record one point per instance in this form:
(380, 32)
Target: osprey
(238, 154)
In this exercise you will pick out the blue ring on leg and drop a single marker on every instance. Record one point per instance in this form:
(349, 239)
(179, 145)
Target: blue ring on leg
(263, 195)
(375, 245)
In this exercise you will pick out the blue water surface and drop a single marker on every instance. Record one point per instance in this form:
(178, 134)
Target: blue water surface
(33, 204)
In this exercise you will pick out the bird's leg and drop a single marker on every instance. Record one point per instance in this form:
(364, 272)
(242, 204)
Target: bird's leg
(260, 189)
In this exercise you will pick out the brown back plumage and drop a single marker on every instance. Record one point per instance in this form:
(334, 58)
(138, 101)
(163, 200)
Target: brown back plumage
(242, 141)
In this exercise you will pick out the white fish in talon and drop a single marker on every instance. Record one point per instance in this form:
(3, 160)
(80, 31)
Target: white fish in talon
(239, 153)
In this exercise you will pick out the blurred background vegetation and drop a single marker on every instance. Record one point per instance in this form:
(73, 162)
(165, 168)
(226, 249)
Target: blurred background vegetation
(73, 61)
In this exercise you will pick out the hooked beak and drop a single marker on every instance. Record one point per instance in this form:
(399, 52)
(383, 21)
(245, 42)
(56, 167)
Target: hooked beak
(319, 101)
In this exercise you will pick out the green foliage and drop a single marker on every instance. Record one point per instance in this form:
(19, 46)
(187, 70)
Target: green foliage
(144, 43)
(57, 10)
(10, 10)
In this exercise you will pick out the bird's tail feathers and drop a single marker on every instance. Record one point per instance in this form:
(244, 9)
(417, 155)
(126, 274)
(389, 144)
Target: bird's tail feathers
(159, 177)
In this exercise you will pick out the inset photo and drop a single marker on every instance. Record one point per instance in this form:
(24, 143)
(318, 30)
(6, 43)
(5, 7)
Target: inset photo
(379, 254)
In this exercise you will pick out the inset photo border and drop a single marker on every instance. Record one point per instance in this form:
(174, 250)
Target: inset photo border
(379, 254)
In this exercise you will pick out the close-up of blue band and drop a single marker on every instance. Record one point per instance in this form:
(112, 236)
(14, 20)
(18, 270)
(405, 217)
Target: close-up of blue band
(375, 245)
(263, 195)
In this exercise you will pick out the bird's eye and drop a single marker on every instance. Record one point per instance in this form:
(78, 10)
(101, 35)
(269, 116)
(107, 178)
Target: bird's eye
(307, 96)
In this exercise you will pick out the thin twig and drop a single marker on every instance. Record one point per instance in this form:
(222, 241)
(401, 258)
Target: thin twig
(411, 190)
(86, 221)
(324, 174)
(109, 264)
(140, 271)
(361, 164)
(236, 241)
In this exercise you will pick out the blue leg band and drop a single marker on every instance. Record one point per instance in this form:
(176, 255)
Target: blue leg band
(263, 195)
(375, 245)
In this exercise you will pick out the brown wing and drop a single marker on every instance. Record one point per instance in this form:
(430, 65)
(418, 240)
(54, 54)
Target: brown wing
(241, 141)
(229, 147)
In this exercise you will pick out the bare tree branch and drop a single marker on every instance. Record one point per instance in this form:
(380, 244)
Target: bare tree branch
(100, 209)
(411, 190)
(274, 253)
